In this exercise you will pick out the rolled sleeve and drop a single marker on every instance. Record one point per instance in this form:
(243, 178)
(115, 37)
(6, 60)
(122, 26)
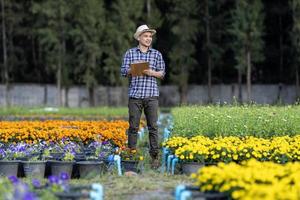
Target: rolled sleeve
(161, 66)
(125, 64)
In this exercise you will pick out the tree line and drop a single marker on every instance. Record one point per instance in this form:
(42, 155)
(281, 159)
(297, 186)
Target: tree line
(69, 42)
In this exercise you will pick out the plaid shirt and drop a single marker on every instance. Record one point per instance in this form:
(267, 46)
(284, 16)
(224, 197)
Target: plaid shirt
(143, 86)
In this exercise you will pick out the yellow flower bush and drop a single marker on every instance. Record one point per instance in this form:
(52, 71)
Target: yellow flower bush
(252, 180)
(52, 131)
(131, 154)
(235, 149)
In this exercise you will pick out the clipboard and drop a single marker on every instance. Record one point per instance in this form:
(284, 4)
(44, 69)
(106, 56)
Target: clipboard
(137, 69)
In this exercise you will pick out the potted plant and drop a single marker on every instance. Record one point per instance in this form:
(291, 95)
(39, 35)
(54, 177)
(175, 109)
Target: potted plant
(95, 163)
(191, 167)
(36, 163)
(9, 158)
(62, 156)
(64, 165)
(192, 163)
(54, 151)
(131, 160)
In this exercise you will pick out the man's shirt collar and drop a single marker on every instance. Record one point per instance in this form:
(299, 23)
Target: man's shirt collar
(138, 49)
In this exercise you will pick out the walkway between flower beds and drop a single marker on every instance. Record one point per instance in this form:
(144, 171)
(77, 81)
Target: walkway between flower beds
(146, 185)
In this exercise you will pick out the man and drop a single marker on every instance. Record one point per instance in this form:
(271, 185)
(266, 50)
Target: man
(143, 90)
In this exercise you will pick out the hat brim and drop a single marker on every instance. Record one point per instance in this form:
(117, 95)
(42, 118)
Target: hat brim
(137, 34)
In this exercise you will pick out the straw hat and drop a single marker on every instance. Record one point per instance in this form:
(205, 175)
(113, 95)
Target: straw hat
(142, 29)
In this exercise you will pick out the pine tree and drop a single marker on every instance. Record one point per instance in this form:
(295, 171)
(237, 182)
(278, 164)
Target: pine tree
(212, 29)
(295, 37)
(87, 35)
(184, 27)
(122, 21)
(12, 15)
(4, 48)
(52, 30)
(153, 18)
(247, 30)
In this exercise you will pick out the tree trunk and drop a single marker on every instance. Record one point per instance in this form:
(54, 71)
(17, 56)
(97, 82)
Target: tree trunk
(209, 59)
(5, 66)
(66, 91)
(45, 95)
(280, 50)
(59, 71)
(66, 84)
(240, 97)
(91, 96)
(248, 76)
(58, 79)
(297, 83)
(183, 94)
(93, 83)
(33, 44)
(60, 56)
(34, 60)
(209, 80)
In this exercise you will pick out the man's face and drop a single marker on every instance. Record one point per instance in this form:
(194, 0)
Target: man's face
(145, 39)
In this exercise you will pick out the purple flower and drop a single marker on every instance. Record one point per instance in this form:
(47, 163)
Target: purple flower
(2, 153)
(20, 190)
(36, 183)
(29, 196)
(101, 155)
(21, 147)
(53, 179)
(94, 144)
(73, 151)
(64, 176)
(43, 144)
(72, 147)
(13, 179)
(105, 142)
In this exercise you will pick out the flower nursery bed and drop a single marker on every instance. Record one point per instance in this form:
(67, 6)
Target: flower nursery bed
(259, 121)
(251, 180)
(78, 142)
(234, 149)
(53, 130)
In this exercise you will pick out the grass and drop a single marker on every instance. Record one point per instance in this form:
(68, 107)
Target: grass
(146, 186)
(104, 112)
(259, 121)
(149, 185)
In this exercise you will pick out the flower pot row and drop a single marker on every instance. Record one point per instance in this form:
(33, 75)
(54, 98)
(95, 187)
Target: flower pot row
(189, 168)
(41, 169)
(130, 165)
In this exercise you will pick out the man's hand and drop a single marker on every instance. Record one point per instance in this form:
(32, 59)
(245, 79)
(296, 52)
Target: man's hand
(148, 72)
(129, 71)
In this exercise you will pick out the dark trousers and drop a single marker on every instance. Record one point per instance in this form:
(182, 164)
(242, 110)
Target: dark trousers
(150, 107)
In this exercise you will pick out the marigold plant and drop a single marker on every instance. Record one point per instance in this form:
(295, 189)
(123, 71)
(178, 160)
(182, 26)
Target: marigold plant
(251, 180)
(52, 131)
(235, 149)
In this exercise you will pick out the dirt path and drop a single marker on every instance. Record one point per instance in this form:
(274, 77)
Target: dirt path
(147, 186)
